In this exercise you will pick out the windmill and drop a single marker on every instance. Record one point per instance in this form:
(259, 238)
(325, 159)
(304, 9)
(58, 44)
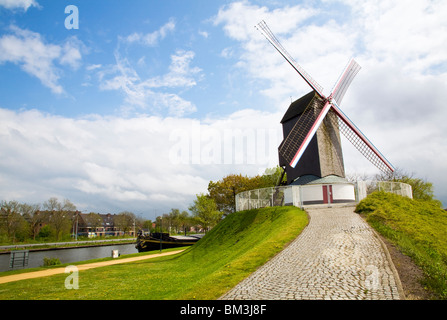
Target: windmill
(312, 126)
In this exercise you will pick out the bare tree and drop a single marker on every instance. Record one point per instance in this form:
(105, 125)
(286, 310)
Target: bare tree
(11, 219)
(59, 214)
(93, 220)
(184, 221)
(125, 221)
(35, 218)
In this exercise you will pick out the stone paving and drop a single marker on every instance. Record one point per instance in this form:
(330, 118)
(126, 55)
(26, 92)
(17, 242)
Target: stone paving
(337, 256)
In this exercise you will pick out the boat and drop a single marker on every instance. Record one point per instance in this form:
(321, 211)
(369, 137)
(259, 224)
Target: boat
(162, 240)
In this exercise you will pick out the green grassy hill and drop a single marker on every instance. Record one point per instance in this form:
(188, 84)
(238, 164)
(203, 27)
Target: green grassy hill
(232, 250)
(417, 227)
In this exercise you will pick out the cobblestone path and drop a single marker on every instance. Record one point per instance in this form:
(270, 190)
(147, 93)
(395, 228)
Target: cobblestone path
(337, 256)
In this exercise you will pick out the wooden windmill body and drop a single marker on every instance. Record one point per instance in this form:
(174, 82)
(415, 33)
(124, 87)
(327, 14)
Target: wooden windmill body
(323, 156)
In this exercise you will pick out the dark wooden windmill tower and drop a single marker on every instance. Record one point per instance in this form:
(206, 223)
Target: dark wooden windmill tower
(312, 126)
(323, 156)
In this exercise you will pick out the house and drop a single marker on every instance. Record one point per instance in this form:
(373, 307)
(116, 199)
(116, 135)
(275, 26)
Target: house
(93, 225)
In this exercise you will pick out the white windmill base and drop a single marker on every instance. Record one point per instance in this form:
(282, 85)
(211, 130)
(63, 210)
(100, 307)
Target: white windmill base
(327, 191)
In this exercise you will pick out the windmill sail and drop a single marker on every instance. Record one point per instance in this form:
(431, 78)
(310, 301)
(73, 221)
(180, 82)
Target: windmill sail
(268, 34)
(361, 142)
(306, 126)
(345, 81)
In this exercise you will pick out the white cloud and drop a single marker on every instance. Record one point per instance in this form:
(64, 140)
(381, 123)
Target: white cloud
(227, 53)
(112, 164)
(412, 37)
(239, 18)
(71, 53)
(37, 58)
(18, 4)
(152, 39)
(146, 94)
(180, 74)
(27, 49)
(204, 34)
(93, 67)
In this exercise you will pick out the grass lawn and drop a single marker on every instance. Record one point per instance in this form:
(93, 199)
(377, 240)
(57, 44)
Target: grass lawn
(232, 250)
(417, 227)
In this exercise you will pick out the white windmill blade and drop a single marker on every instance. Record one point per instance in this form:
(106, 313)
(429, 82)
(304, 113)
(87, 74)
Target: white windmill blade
(360, 141)
(268, 34)
(345, 80)
(301, 134)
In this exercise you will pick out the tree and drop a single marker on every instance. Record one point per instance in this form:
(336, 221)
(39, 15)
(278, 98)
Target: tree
(224, 191)
(147, 224)
(59, 215)
(12, 222)
(125, 221)
(45, 232)
(34, 217)
(205, 211)
(184, 221)
(177, 220)
(93, 220)
(141, 223)
(160, 224)
(272, 176)
(422, 189)
(172, 219)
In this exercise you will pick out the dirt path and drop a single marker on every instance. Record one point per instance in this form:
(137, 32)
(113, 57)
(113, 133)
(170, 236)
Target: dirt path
(50, 272)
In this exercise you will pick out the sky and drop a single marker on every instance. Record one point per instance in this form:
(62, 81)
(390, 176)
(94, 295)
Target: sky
(137, 105)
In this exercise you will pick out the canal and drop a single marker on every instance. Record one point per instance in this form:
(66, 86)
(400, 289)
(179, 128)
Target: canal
(69, 255)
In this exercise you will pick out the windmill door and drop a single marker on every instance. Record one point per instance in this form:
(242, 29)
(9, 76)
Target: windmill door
(327, 194)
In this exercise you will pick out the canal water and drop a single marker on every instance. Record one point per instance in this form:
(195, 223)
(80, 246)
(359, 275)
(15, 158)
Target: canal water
(69, 255)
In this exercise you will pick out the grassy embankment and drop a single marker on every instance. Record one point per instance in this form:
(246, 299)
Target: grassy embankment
(232, 250)
(418, 228)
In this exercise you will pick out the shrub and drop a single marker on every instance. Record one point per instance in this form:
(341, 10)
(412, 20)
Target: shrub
(51, 262)
(45, 232)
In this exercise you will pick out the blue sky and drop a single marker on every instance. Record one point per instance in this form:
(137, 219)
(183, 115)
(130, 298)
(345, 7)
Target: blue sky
(142, 105)
(101, 37)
